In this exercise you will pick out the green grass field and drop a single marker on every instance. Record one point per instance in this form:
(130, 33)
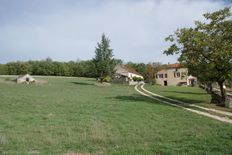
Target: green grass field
(194, 95)
(74, 115)
(191, 95)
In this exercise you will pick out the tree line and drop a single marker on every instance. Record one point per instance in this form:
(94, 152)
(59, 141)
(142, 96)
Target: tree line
(83, 68)
(101, 66)
(49, 68)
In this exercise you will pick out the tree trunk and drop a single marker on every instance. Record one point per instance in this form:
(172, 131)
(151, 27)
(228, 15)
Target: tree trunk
(223, 92)
(209, 87)
(101, 78)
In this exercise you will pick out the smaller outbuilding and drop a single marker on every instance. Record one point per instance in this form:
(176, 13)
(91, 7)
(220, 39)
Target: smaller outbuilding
(25, 79)
(191, 81)
(124, 74)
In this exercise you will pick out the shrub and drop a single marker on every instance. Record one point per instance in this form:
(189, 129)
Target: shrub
(106, 79)
(153, 82)
(137, 79)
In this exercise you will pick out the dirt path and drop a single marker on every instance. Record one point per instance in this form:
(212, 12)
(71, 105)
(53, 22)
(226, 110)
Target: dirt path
(172, 102)
(191, 105)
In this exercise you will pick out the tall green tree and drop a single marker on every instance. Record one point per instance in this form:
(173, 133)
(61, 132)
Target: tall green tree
(206, 49)
(104, 62)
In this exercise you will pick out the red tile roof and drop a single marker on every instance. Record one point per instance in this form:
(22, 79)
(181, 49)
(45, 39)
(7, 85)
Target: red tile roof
(175, 65)
(169, 66)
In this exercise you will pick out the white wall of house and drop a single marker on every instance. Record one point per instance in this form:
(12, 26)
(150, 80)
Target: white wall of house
(131, 75)
(172, 76)
(191, 80)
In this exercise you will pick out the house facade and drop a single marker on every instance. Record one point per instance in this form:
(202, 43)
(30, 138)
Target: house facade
(174, 75)
(124, 74)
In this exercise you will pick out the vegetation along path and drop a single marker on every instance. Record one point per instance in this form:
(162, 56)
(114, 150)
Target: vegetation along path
(212, 113)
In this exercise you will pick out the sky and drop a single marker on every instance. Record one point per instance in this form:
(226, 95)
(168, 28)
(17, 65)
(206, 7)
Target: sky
(67, 30)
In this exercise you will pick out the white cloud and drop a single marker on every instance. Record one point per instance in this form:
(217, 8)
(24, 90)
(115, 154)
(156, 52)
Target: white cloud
(66, 32)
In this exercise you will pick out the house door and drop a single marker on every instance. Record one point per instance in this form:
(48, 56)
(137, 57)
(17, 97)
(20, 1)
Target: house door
(191, 82)
(165, 83)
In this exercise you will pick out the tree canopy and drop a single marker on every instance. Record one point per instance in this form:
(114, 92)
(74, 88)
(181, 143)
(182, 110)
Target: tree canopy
(206, 49)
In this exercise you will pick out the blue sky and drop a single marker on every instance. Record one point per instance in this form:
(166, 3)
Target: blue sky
(70, 29)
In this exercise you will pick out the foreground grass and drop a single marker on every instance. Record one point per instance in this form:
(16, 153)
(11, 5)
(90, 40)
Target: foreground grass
(74, 115)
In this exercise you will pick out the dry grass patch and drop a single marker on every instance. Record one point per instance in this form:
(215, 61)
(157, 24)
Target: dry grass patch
(98, 133)
(104, 84)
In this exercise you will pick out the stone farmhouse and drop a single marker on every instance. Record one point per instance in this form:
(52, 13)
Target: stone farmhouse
(124, 74)
(175, 75)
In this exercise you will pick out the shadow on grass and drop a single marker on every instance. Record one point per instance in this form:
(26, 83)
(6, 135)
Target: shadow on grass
(184, 92)
(137, 98)
(82, 83)
(186, 100)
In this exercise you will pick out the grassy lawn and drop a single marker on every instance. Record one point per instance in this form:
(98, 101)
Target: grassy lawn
(186, 94)
(192, 95)
(74, 115)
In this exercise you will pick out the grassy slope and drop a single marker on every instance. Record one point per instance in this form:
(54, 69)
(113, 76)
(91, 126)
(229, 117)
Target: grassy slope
(73, 115)
(192, 95)
(186, 94)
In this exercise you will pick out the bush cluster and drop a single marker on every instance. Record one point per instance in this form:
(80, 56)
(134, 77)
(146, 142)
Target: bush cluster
(135, 78)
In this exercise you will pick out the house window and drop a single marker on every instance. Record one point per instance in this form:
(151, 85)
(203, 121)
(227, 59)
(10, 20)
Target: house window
(166, 75)
(156, 76)
(178, 74)
(160, 76)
